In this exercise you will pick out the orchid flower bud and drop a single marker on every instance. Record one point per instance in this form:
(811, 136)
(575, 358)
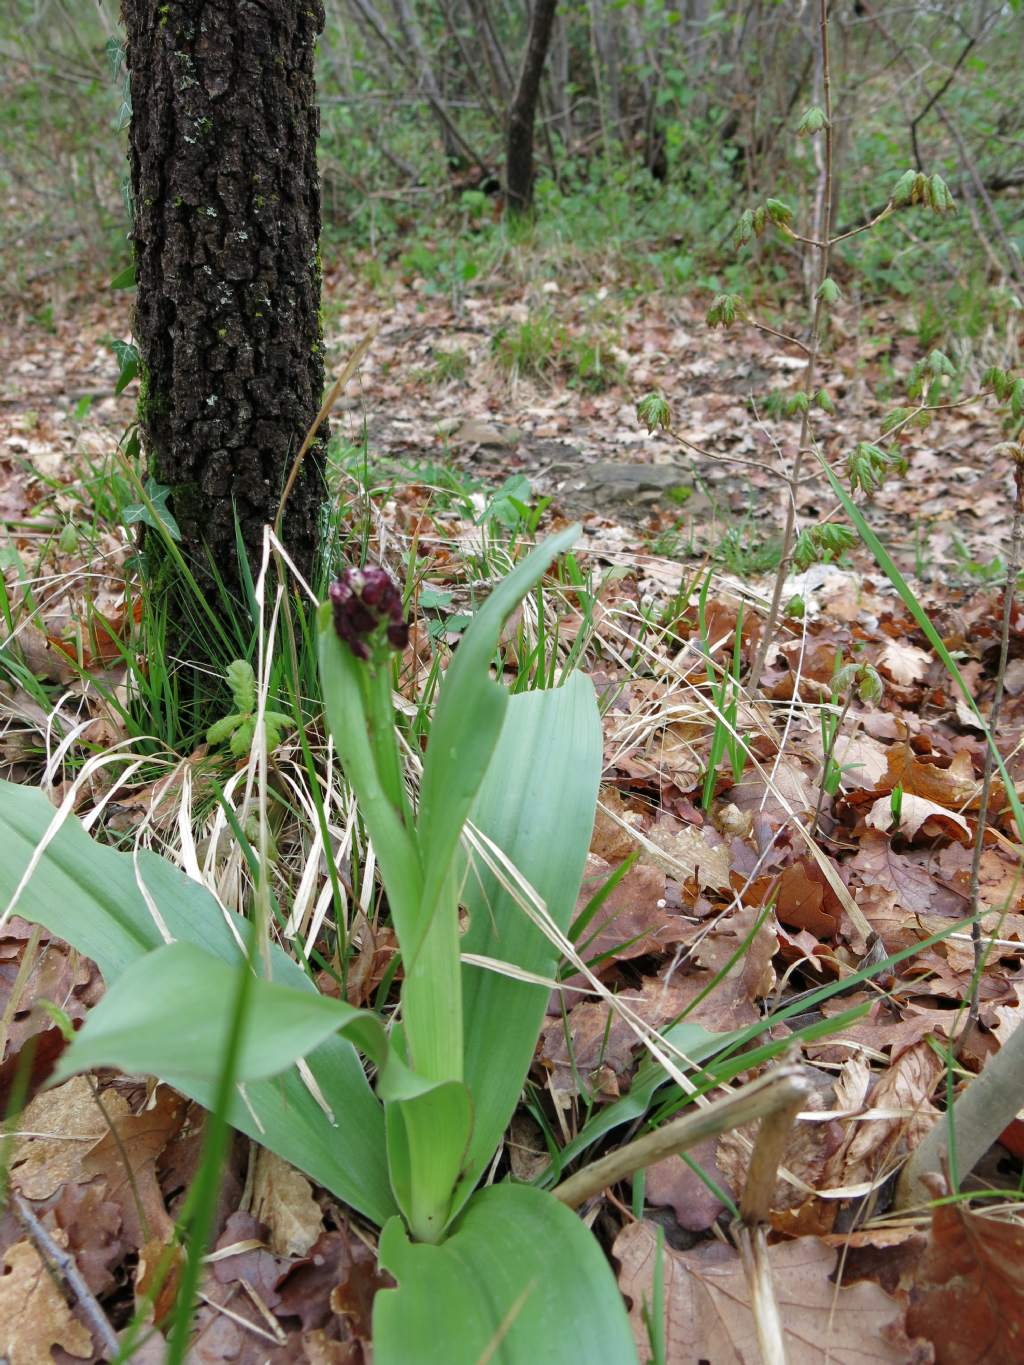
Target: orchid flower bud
(367, 611)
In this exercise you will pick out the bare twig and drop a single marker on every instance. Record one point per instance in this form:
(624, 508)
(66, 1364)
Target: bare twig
(755, 1209)
(64, 1263)
(804, 443)
(1009, 593)
(351, 365)
(783, 336)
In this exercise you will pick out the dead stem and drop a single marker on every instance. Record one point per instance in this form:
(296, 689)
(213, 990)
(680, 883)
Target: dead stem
(64, 1264)
(780, 1089)
(755, 1210)
(824, 214)
(1009, 594)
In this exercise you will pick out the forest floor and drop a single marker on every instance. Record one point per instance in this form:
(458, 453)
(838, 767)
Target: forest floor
(442, 432)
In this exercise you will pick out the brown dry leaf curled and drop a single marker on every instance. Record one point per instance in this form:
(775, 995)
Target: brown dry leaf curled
(904, 663)
(898, 1114)
(33, 1314)
(968, 1297)
(283, 1200)
(690, 854)
(707, 1305)
(916, 811)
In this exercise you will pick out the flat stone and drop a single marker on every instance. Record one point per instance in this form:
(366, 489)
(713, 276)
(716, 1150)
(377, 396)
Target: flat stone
(633, 482)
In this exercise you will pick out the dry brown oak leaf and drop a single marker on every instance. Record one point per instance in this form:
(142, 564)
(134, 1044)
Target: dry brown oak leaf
(140, 1138)
(62, 1126)
(968, 1294)
(33, 1314)
(707, 1305)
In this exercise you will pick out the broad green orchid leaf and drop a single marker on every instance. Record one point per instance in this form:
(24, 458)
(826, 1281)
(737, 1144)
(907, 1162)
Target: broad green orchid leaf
(537, 805)
(466, 726)
(91, 896)
(520, 1281)
(169, 1015)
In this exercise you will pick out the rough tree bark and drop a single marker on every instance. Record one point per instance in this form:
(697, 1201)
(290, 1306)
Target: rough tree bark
(523, 109)
(227, 217)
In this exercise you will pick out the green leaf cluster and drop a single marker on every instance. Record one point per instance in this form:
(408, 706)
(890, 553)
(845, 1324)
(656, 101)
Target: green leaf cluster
(756, 221)
(905, 417)
(653, 412)
(813, 121)
(1007, 389)
(239, 726)
(724, 310)
(865, 678)
(869, 465)
(930, 191)
(928, 377)
(821, 544)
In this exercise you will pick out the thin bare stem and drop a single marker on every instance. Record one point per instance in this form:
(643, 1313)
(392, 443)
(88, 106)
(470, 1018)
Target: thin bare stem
(864, 227)
(755, 1210)
(65, 1266)
(804, 443)
(826, 760)
(351, 365)
(716, 455)
(772, 331)
(1009, 594)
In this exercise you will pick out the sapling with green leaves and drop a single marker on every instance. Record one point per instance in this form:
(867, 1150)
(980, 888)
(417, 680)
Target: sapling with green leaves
(870, 461)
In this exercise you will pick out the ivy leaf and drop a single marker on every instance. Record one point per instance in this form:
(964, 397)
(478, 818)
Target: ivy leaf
(161, 515)
(128, 359)
(821, 544)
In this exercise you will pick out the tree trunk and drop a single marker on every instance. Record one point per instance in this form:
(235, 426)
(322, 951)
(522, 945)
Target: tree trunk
(521, 115)
(227, 216)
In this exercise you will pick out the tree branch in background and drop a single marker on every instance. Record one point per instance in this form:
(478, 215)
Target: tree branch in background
(523, 110)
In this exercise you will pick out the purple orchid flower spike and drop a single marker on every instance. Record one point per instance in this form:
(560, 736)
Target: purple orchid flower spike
(367, 612)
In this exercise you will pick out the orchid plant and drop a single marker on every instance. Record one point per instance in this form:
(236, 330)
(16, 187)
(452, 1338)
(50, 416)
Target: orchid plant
(497, 833)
